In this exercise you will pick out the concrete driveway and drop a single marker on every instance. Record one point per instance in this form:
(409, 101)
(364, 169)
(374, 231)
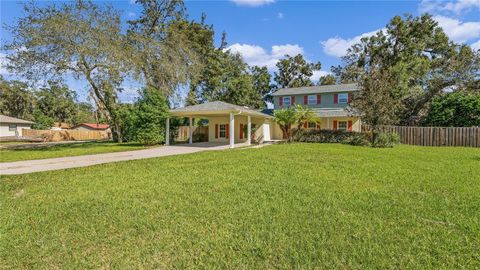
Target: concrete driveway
(38, 165)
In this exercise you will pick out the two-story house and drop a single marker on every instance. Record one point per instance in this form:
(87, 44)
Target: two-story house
(232, 124)
(330, 103)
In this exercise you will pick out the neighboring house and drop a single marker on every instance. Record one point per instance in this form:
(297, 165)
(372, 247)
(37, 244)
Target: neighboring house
(330, 103)
(12, 127)
(92, 127)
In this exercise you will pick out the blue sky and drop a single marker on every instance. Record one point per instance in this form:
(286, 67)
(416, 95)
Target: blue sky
(262, 31)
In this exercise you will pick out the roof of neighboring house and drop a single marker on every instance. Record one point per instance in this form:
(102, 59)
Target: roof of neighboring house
(317, 89)
(94, 126)
(13, 120)
(216, 107)
(335, 112)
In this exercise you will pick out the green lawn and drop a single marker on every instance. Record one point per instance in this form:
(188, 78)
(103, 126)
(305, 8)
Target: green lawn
(64, 150)
(325, 206)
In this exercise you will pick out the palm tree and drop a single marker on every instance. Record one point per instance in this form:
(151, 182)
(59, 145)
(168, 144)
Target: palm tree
(299, 115)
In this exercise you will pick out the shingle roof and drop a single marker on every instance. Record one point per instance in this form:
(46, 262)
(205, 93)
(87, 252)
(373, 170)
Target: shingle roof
(215, 106)
(335, 112)
(13, 120)
(317, 89)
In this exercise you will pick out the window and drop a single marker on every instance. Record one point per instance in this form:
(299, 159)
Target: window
(287, 101)
(342, 125)
(342, 98)
(223, 131)
(312, 99)
(12, 127)
(312, 125)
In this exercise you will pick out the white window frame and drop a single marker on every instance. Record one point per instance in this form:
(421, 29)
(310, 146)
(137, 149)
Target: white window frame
(343, 98)
(12, 127)
(312, 100)
(224, 130)
(342, 122)
(289, 103)
(312, 123)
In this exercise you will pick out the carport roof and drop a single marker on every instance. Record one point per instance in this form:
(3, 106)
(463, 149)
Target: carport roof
(216, 108)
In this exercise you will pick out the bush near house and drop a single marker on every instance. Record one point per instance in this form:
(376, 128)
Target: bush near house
(332, 136)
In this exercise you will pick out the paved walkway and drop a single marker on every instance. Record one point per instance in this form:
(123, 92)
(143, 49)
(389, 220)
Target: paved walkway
(38, 165)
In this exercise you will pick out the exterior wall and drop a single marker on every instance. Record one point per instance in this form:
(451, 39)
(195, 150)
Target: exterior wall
(83, 128)
(327, 122)
(239, 119)
(326, 101)
(5, 132)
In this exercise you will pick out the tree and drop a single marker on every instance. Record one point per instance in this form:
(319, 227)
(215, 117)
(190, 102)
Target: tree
(84, 40)
(164, 45)
(418, 60)
(295, 71)
(57, 102)
(145, 121)
(262, 82)
(298, 115)
(327, 80)
(457, 109)
(16, 99)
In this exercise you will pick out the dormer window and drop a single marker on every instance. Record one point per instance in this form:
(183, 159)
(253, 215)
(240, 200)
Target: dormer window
(342, 98)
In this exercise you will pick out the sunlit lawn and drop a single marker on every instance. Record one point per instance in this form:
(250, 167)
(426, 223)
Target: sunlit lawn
(64, 150)
(326, 206)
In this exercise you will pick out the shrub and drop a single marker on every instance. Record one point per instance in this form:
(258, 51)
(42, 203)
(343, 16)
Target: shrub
(387, 139)
(150, 135)
(332, 136)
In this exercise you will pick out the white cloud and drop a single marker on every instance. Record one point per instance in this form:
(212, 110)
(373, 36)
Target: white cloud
(252, 3)
(456, 7)
(476, 45)
(280, 15)
(457, 30)
(131, 14)
(256, 55)
(319, 73)
(338, 46)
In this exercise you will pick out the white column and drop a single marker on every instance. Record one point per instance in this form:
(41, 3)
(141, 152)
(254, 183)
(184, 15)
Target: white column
(190, 131)
(167, 132)
(232, 131)
(249, 130)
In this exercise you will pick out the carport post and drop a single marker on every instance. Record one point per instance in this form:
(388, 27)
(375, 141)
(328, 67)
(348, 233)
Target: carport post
(190, 131)
(249, 130)
(232, 130)
(167, 131)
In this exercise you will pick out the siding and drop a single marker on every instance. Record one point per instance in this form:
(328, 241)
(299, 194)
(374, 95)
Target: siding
(327, 101)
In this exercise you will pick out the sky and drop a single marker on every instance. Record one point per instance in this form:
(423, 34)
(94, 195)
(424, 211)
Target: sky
(263, 31)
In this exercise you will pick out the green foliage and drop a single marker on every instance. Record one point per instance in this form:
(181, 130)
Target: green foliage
(144, 122)
(457, 109)
(42, 121)
(298, 115)
(332, 136)
(387, 139)
(57, 101)
(295, 71)
(289, 206)
(16, 99)
(327, 80)
(415, 61)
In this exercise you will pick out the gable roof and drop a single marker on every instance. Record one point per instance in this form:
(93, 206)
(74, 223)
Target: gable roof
(216, 107)
(350, 87)
(94, 125)
(13, 120)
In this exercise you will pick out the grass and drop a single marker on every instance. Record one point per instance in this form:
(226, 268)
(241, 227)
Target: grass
(65, 150)
(325, 206)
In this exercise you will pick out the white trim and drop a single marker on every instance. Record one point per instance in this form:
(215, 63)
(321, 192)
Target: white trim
(289, 101)
(314, 100)
(190, 130)
(342, 121)
(232, 130)
(342, 95)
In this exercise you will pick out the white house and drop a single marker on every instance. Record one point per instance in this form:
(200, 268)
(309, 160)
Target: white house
(12, 127)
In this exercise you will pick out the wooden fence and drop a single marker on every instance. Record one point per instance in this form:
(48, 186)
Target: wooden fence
(200, 134)
(66, 135)
(436, 136)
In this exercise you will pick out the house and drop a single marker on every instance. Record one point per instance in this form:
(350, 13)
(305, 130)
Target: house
(12, 127)
(92, 127)
(329, 102)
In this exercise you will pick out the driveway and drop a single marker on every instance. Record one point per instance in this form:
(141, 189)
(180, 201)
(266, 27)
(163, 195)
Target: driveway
(39, 165)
